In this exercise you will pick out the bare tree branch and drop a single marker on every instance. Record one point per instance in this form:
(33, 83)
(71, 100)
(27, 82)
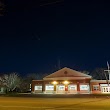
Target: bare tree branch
(11, 81)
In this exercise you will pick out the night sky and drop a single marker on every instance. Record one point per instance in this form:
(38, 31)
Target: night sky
(36, 35)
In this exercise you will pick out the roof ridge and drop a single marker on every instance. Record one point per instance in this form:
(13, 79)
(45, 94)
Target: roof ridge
(71, 71)
(55, 72)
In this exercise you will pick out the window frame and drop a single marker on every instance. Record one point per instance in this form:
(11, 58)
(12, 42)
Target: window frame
(96, 87)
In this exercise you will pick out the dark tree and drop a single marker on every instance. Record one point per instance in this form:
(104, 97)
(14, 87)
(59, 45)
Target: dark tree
(2, 7)
(85, 72)
(99, 73)
(27, 80)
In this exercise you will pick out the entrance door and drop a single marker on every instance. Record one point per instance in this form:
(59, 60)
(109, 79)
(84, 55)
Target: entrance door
(38, 88)
(72, 89)
(49, 88)
(60, 89)
(105, 89)
(84, 88)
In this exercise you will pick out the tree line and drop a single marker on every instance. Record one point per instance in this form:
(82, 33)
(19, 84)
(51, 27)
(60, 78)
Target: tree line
(14, 82)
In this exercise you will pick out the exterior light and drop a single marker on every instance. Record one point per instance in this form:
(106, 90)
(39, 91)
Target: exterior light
(66, 82)
(54, 82)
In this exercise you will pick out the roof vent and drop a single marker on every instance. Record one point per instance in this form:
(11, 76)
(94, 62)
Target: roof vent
(65, 72)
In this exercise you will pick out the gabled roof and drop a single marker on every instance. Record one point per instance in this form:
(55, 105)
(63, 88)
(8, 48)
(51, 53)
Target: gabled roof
(66, 73)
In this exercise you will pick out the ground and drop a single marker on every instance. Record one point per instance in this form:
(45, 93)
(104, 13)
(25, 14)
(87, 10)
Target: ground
(74, 103)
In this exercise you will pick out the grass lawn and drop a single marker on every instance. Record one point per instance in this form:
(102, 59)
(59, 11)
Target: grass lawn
(20, 103)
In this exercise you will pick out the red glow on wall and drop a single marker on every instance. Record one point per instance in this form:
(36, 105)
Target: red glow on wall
(66, 88)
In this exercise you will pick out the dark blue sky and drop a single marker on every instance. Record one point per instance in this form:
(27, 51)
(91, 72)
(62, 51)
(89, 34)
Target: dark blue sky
(35, 35)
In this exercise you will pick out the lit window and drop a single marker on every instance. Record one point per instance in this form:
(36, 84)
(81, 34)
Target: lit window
(107, 89)
(49, 87)
(95, 87)
(38, 87)
(72, 87)
(104, 89)
(84, 87)
(61, 87)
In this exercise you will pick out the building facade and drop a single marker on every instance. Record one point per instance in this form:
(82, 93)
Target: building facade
(68, 81)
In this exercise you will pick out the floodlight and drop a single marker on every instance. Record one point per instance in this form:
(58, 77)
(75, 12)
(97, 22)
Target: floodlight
(66, 82)
(54, 82)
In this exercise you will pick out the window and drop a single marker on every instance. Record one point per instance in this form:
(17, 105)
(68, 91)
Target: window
(49, 87)
(107, 89)
(104, 89)
(95, 87)
(84, 87)
(38, 87)
(72, 87)
(61, 87)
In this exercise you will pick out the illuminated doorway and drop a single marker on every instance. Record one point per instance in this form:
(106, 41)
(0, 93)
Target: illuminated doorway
(60, 89)
(49, 88)
(72, 89)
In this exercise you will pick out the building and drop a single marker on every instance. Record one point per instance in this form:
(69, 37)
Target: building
(68, 81)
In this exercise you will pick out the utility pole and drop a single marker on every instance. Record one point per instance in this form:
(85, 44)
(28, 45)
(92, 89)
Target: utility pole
(108, 70)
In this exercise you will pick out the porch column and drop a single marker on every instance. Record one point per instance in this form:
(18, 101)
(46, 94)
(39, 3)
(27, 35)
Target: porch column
(78, 88)
(43, 87)
(55, 88)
